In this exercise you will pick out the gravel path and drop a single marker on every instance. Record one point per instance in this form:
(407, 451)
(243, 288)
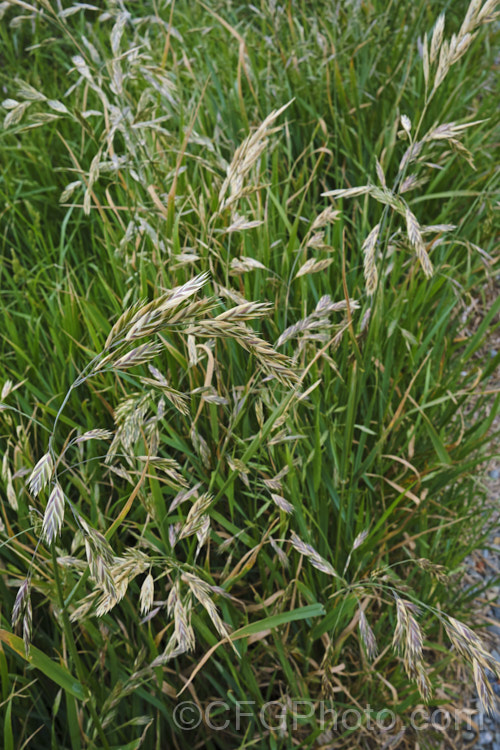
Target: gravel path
(484, 565)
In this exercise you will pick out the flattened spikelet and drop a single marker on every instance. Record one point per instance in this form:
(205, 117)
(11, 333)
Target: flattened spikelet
(41, 474)
(416, 240)
(20, 602)
(196, 516)
(147, 594)
(282, 503)
(370, 270)
(367, 635)
(314, 557)
(54, 514)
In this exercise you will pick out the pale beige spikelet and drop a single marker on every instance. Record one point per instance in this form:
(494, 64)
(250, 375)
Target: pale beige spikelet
(369, 251)
(201, 446)
(83, 609)
(108, 600)
(469, 644)
(411, 154)
(241, 265)
(450, 52)
(169, 466)
(99, 557)
(417, 242)
(327, 216)
(27, 625)
(144, 319)
(365, 320)
(94, 435)
(117, 31)
(9, 484)
(203, 533)
(408, 641)
(20, 602)
(347, 192)
(380, 173)
(314, 557)
(410, 182)
(470, 19)
(273, 363)
(41, 474)
(183, 495)
(484, 688)
(240, 223)
(54, 514)
(196, 517)
(245, 311)
(398, 639)
(244, 159)
(172, 651)
(183, 630)
(425, 61)
(236, 465)
(282, 503)
(367, 636)
(413, 645)
(488, 12)
(173, 532)
(15, 115)
(423, 682)
(360, 538)
(275, 482)
(280, 553)
(437, 38)
(443, 64)
(138, 356)
(203, 592)
(388, 198)
(147, 594)
(317, 321)
(6, 389)
(406, 124)
(69, 190)
(438, 571)
(313, 266)
(122, 324)
(132, 563)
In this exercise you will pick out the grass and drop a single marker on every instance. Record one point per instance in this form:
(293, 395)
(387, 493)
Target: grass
(249, 386)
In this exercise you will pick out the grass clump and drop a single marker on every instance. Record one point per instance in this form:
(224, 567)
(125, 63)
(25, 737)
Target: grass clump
(243, 248)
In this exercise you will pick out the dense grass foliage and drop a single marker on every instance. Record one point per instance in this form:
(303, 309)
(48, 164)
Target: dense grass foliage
(256, 400)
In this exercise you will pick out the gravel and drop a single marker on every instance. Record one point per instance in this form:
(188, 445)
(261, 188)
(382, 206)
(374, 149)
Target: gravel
(489, 563)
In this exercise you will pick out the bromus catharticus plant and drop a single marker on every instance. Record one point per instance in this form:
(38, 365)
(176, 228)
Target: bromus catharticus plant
(174, 311)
